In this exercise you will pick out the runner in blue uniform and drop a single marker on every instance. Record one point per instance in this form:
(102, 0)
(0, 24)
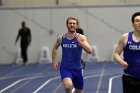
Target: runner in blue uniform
(129, 43)
(71, 66)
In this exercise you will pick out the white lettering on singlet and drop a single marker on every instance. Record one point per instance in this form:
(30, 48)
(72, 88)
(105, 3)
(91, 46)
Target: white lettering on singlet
(70, 45)
(134, 47)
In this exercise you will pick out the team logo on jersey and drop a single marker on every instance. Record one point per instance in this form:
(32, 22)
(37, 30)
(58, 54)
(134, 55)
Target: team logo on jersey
(134, 47)
(70, 45)
(72, 42)
(129, 42)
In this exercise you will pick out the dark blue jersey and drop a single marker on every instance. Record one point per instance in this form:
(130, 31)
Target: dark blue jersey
(132, 57)
(71, 53)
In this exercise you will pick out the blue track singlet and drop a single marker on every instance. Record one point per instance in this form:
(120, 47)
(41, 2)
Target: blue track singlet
(71, 53)
(132, 57)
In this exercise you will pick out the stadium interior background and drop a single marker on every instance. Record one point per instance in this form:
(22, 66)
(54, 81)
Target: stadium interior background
(103, 22)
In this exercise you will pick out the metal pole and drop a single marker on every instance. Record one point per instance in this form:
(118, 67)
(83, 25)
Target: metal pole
(0, 2)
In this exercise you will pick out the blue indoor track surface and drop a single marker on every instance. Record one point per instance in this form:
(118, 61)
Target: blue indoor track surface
(99, 77)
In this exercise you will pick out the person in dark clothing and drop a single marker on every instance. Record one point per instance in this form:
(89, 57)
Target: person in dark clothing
(80, 30)
(25, 35)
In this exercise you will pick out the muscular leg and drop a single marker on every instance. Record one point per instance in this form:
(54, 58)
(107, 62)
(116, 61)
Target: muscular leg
(67, 82)
(78, 91)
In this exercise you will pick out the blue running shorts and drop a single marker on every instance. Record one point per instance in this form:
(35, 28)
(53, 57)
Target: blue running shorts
(75, 75)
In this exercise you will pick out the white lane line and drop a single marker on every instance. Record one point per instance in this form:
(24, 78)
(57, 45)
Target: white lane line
(44, 84)
(49, 80)
(18, 81)
(57, 88)
(95, 75)
(19, 76)
(28, 75)
(100, 79)
(11, 74)
(110, 82)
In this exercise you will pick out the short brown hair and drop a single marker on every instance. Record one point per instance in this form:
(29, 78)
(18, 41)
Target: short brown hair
(73, 18)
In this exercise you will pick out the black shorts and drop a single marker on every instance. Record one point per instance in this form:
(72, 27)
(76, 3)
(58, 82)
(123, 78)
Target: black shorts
(130, 84)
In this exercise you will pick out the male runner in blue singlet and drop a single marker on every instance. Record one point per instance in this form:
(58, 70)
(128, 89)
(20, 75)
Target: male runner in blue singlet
(129, 43)
(71, 66)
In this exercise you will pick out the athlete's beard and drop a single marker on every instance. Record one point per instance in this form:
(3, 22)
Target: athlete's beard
(71, 30)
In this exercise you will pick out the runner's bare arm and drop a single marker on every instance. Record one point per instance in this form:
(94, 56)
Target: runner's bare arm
(54, 53)
(82, 40)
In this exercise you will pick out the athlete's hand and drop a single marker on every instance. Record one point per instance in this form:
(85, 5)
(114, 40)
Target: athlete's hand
(124, 64)
(77, 38)
(55, 66)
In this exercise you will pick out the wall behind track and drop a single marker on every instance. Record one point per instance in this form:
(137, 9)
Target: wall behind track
(103, 26)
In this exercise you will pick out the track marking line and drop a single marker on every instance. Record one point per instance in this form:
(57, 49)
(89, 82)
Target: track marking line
(57, 88)
(46, 82)
(18, 81)
(100, 79)
(110, 82)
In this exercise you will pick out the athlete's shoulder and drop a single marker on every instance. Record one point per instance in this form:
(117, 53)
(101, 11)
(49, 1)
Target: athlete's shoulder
(124, 38)
(60, 36)
(82, 36)
(125, 34)
(59, 39)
